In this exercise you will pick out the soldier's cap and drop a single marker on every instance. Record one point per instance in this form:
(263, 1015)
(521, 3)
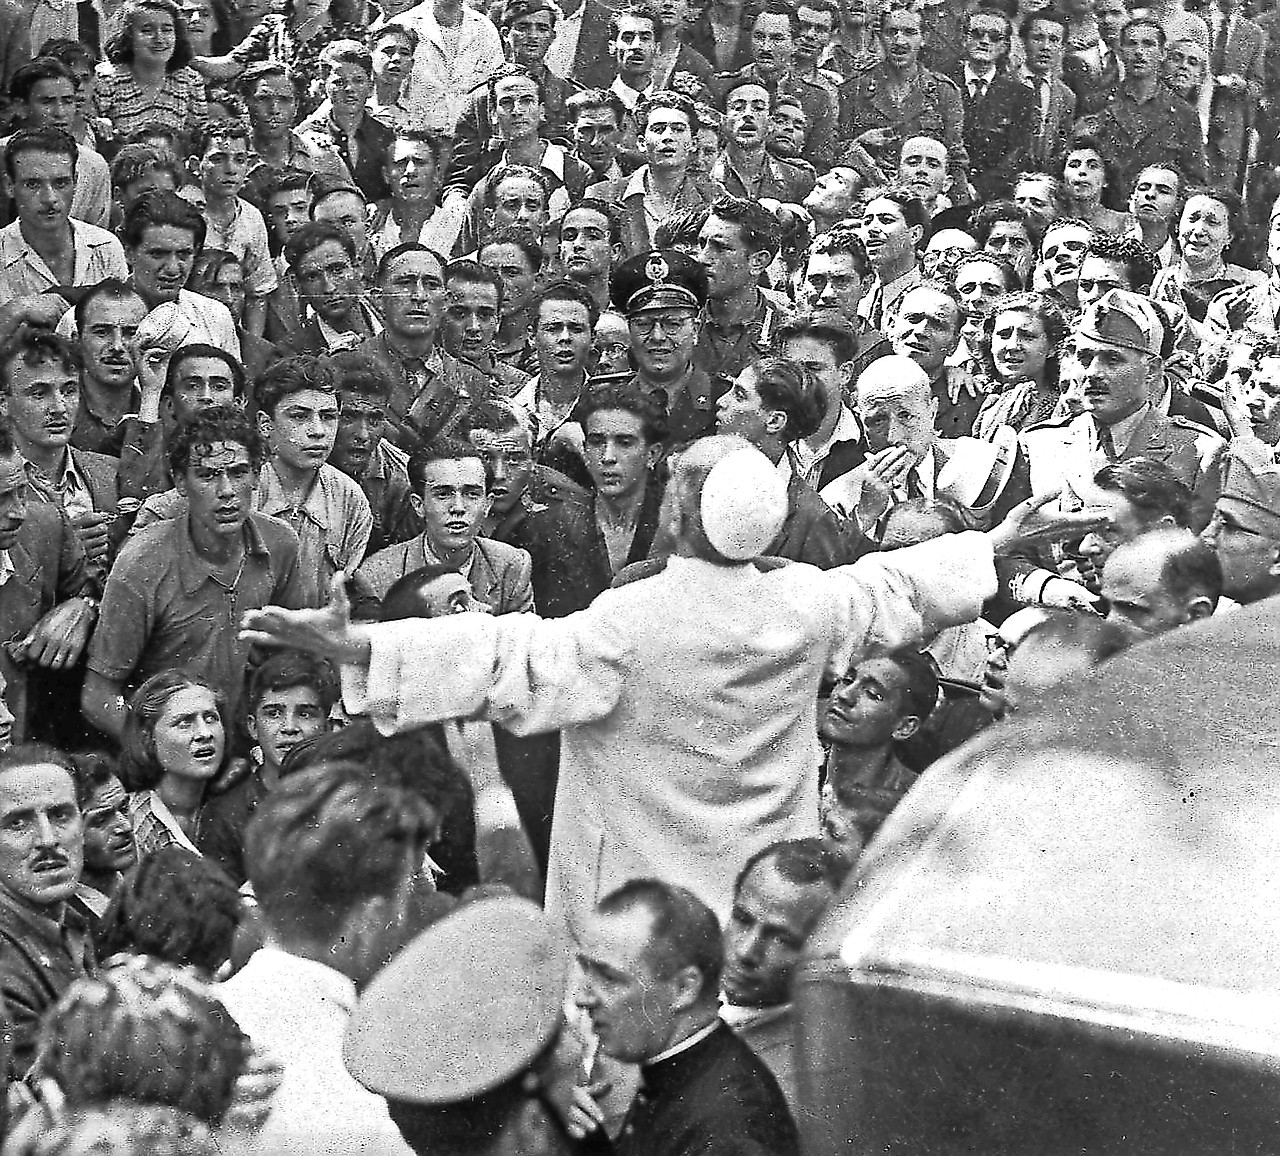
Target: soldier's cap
(1251, 487)
(1124, 319)
(659, 279)
(514, 10)
(469, 1004)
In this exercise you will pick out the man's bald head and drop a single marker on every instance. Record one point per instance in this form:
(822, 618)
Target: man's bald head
(896, 406)
(1160, 580)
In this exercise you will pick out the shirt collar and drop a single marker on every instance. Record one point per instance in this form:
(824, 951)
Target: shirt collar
(1122, 431)
(971, 74)
(193, 570)
(636, 184)
(272, 499)
(629, 96)
(684, 1045)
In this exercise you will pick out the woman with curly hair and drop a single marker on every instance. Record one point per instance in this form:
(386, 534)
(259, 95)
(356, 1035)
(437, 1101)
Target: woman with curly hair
(146, 78)
(1019, 350)
(1090, 181)
(174, 743)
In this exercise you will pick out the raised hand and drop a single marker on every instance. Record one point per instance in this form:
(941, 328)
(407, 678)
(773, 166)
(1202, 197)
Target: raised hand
(326, 632)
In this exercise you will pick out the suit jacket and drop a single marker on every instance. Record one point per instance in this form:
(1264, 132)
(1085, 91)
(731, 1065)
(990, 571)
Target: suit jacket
(500, 576)
(1231, 114)
(49, 567)
(1163, 128)
(715, 1098)
(782, 180)
(770, 1033)
(1061, 455)
(1049, 141)
(997, 132)
(932, 107)
(1090, 85)
(554, 525)
(812, 533)
(698, 192)
(593, 63)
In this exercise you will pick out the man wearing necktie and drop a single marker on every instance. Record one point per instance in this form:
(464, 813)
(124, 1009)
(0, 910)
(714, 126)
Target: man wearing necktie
(1118, 345)
(998, 110)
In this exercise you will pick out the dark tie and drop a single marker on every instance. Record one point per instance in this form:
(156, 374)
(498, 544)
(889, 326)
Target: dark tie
(1106, 443)
(914, 488)
(979, 89)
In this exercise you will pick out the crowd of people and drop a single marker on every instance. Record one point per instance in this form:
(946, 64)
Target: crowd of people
(498, 506)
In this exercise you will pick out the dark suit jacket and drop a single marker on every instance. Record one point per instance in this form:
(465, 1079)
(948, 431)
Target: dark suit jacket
(844, 456)
(1231, 114)
(715, 1098)
(812, 533)
(593, 63)
(554, 523)
(1090, 85)
(1049, 147)
(997, 132)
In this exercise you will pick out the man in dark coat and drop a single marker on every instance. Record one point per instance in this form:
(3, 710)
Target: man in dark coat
(651, 958)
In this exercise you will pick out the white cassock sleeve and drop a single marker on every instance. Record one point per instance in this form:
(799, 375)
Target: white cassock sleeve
(908, 596)
(530, 674)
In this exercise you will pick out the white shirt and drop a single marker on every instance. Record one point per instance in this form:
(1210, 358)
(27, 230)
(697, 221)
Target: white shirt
(298, 1010)
(629, 96)
(441, 78)
(97, 256)
(972, 75)
(564, 47)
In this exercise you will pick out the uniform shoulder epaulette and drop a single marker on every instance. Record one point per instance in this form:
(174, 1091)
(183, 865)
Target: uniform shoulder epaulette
(1195, 426)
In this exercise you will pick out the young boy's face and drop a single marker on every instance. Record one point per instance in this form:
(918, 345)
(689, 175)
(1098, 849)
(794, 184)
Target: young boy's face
(224, 166)
(284, 718)
(287, 212)
(302, 429)
(52, 104)
(155, 181)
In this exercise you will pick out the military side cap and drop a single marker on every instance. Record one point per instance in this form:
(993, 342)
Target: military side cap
(1251, 487)
(514, 10)
(468, 1005)
(659, 279)
(1124, 319)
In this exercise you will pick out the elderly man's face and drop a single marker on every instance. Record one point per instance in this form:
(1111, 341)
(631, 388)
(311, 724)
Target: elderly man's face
(898, 415)
(41, 834)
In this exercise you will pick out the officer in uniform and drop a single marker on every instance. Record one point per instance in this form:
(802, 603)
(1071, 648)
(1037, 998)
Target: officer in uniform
(898, 98)
(662, 294)
(1122, 422)
(459, 1032)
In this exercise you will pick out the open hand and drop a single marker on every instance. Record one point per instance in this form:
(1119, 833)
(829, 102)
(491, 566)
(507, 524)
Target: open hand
(326, 632)
(1029, 523)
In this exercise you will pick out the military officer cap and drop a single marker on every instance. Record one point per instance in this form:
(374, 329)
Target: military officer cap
(659, 279)
(1251, 487)
(467, 1006)
(513, 10)
(1124, 319)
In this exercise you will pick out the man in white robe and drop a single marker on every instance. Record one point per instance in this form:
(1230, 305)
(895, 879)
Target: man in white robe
(687, 700)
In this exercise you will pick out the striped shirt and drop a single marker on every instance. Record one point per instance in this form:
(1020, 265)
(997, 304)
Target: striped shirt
(180, 103)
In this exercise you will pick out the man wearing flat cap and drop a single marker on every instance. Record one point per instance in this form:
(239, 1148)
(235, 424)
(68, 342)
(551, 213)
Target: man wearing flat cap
(662, 294)
(457, 1033)
(685, 699)
(1118, 343)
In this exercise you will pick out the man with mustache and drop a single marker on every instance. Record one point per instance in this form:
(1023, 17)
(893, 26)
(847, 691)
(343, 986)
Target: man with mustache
(745, 169)
(44, 946)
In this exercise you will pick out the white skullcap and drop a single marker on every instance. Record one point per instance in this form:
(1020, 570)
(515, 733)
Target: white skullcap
(744, 503)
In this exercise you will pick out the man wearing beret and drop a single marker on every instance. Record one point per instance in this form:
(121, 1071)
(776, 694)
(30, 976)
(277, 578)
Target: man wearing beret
(1245, 528)
(1118, 343)
(458, 1033)
(527, 28)
(684, 699)
(662, 294)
